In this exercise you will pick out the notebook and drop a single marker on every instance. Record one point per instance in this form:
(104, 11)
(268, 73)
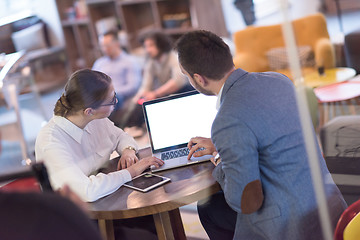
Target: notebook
(172, 121)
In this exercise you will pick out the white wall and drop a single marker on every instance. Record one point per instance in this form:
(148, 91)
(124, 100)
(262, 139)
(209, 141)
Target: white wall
(47, 11)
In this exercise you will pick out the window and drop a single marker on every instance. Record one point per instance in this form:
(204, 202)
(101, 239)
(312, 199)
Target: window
(11, 10)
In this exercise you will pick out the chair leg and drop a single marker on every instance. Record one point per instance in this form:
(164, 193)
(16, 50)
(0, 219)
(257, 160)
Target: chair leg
(326, 112)
(351, 107)
(321, 115)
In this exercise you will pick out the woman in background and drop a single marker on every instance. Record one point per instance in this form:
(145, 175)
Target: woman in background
(79, 139)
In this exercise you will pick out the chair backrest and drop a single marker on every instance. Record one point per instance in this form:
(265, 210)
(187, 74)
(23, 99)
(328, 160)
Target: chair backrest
(257, 40)
(352, 230)
(352, 212)
(33, 178)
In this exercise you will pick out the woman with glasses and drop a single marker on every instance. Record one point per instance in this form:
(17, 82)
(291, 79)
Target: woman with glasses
(79, 139)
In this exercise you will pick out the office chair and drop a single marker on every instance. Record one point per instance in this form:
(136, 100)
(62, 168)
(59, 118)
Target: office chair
(33, 178)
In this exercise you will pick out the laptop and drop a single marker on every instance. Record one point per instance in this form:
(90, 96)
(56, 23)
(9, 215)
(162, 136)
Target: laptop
(172, 121)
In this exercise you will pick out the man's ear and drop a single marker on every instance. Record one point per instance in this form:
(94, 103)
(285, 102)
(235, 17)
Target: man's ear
(202, 81)
(88, 112)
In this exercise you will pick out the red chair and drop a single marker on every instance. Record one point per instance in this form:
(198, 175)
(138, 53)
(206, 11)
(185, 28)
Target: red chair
(346, 220)
(33, 178)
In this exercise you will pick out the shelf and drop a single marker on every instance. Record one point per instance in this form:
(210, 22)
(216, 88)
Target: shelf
(132, 2)
(174, 31)
(90, 2)
(71, 22)
(134, 17)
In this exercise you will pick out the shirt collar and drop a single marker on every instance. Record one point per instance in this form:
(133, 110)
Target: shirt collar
(218, 101)
(119, 57)
(71, 129)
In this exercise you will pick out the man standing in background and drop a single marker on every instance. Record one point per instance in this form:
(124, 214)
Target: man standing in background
(246, 7)
(123, 68)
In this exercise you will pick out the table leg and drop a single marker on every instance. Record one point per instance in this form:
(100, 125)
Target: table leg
(106, 229)
(169, 225)
(163, 226)
(177, 224)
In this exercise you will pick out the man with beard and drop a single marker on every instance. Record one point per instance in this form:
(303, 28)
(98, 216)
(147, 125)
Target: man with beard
(262, 165)
(162, 75)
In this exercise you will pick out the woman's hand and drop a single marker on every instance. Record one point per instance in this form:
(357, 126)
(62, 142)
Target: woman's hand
(200, 142)
(139, 167)
(128, 158)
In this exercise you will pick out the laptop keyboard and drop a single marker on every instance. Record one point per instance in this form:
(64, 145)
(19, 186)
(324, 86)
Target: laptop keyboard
(174, 154)
(177, 153)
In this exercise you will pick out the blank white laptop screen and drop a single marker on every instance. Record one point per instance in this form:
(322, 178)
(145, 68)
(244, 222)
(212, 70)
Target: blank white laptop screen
(174, 120)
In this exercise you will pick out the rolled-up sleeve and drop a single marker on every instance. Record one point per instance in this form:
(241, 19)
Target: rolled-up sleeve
(176, 73)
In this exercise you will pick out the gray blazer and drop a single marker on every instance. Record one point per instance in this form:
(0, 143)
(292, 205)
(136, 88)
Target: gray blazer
(258, 135)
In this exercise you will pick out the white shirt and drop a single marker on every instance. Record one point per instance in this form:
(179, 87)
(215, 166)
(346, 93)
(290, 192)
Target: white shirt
(124, 71)
(218, 101)
(72, 154)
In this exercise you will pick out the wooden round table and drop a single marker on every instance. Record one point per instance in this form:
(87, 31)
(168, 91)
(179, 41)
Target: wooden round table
(188, 184)
(331, 76)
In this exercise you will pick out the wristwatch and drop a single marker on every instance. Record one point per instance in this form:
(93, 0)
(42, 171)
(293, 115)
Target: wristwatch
(217, 159)
(131, 148)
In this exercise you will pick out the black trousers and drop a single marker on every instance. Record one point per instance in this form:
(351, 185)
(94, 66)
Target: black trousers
(217, 218)
(140, 228)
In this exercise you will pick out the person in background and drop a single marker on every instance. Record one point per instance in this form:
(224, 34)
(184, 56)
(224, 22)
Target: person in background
(262, 164)
(122, 68)
(79, 139)
(246, 7)
(162, 75)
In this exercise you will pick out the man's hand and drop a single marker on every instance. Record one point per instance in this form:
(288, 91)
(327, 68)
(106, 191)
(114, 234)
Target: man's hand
(215, 159)
(200, 142)
(127, 159)
(149, 96)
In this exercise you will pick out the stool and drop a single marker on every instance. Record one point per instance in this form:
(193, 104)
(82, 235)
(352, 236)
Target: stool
(337, 95)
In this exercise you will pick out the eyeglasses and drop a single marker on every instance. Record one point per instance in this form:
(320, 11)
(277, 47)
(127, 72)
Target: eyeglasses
(113, 101)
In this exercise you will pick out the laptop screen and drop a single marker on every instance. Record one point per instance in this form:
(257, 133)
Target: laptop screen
(173, 120)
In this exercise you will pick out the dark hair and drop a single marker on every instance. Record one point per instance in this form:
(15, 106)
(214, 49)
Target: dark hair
(85, 88)
(204, 53)
(162, 41)
(112, 33)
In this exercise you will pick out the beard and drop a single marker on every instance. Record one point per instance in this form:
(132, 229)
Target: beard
(201, 89)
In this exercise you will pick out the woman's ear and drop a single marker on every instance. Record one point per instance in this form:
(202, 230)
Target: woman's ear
(88, 112)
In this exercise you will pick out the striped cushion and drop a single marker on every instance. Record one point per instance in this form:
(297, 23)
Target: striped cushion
(277, 57)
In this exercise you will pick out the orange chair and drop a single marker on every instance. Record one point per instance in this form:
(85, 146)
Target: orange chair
(252, 44)
(348, 226)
